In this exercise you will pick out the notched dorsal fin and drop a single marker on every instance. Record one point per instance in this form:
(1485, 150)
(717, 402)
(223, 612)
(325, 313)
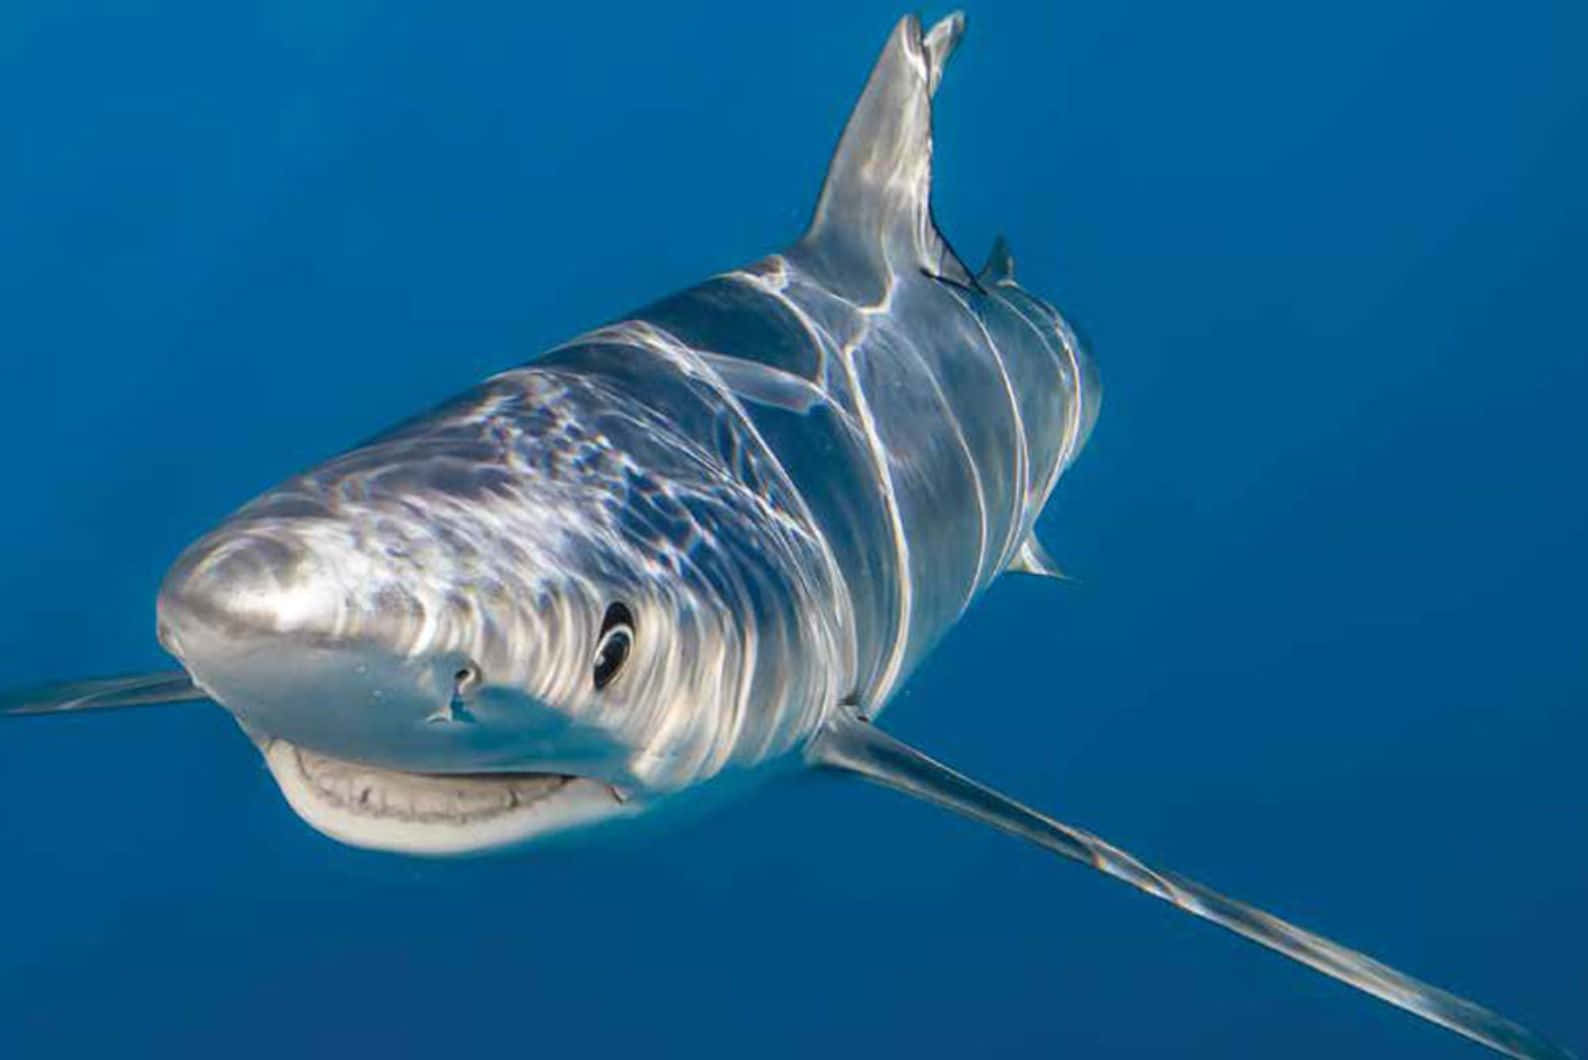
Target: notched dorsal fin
(875, 211)
(1032, 558)
(853, 745)
(1000, 267)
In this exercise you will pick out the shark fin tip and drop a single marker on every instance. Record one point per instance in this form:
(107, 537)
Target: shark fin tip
(1032, 558)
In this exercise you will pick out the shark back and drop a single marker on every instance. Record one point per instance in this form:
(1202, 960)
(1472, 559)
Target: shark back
(920, 414)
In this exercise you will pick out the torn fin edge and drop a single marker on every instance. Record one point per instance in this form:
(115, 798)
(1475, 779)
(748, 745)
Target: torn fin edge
(875, 204)
(850, 744)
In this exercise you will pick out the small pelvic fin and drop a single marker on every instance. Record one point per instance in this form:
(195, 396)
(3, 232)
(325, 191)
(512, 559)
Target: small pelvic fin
(1034, 559)
(103, 693)
(850, 744)
(874, 217)
(1000, 267)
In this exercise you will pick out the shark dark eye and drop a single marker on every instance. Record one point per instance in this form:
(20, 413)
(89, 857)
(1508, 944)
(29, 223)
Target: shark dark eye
(612, 651)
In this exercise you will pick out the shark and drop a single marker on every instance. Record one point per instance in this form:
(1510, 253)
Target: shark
(707, 540)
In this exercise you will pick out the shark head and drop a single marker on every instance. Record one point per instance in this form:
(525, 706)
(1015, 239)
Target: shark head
(537, 608)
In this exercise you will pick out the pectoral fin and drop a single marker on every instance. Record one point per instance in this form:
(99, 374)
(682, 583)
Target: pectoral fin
(855, 746)
(103, 693)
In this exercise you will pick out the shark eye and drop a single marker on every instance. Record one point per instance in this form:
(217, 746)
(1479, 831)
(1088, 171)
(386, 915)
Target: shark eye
(612, 651)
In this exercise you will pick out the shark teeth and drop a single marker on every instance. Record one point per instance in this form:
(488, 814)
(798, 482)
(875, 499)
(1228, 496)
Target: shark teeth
(435, 798)
(437, 814)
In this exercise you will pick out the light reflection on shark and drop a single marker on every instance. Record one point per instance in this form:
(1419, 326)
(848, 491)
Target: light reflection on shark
(714, 535)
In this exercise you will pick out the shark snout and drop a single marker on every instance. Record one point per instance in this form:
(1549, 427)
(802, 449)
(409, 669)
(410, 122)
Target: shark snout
(250, 584)
(291, 643)
(305, 635)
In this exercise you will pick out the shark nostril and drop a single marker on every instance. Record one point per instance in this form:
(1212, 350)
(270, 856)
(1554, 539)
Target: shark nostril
(464, 680)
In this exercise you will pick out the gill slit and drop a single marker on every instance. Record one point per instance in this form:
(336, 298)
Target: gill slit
(901, 547)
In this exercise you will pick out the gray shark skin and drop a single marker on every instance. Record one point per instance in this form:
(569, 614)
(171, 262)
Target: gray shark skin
(711, 536)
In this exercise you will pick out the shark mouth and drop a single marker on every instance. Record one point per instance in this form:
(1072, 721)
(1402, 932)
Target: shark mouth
(434, 813)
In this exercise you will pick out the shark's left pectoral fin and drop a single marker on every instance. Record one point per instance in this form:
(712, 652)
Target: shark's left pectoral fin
(853, 745)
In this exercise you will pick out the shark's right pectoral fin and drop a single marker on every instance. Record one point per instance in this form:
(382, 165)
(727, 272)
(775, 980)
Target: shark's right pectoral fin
(104, 693)
(853, 745)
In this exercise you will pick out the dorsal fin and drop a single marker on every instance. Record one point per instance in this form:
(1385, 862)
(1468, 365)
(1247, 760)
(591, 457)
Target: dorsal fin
(875, 211)
(1000, 267)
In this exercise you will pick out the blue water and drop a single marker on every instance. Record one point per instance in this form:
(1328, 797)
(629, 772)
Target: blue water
(1327, 646)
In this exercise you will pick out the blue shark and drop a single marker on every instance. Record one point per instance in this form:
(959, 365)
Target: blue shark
(704, 540)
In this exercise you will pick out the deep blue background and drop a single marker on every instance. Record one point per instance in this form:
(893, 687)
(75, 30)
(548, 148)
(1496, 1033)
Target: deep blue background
(1328, 650)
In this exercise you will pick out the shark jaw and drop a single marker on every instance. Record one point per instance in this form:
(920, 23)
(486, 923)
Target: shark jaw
(435, 814)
